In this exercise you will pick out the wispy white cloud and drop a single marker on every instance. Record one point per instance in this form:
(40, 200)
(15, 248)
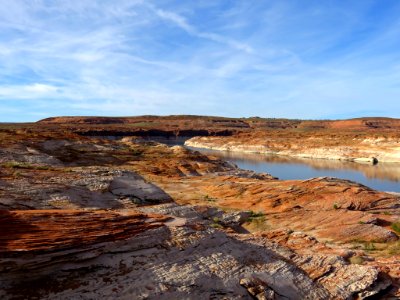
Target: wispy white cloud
(30, 91)
(227, 58)
(190, 29)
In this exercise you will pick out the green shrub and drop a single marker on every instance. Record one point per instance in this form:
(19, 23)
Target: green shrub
(394, 249)
(369, 246)
(209, 199)
(258, 222)
(396, 226)
(215, 220)
(136, 152)
(42, 168)
(216, 225)
(17, 165)
(254, 215)
(23, 165)
(335, 206)
(356, 260)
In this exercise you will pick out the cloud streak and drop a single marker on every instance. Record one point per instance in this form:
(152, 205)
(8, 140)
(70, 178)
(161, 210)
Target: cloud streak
(184, 25)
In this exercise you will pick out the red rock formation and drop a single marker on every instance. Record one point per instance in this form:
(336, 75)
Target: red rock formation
(326, 207)
(51, 230)
(172, 250)
(208, 122)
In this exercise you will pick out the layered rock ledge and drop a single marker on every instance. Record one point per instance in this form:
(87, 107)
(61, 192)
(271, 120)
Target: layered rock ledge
(335, 148)
(102, 254)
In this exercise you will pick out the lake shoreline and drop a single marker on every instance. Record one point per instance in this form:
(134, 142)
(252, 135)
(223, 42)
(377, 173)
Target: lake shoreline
(361, 151)
(384, 176)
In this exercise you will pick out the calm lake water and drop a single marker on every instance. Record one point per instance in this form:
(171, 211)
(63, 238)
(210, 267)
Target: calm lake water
(383, 176)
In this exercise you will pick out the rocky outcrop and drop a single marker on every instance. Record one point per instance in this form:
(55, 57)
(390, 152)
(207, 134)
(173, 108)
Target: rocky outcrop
(336, 209)
(24, 156)
(102, 254)
(359, 150)
(90, 187)
(38, 231)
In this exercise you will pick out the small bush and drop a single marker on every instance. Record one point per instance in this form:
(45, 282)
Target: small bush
(396, 226)
(216, 225)
(23, 165)
(335, 206)
(136, 152)
(394, 249)
(215, 220)
(17, 165)
(258, 222)
(254, 215)
(209, 199)
(356, 260)
(42, 168)
(369, 246)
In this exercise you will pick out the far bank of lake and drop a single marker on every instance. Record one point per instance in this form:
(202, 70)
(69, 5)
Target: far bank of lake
(382, 176)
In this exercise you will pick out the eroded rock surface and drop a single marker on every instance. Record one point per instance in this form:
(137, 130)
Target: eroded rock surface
(90, 218)
(353, 148)
(335, 209)
(90, 187)
(147, 256)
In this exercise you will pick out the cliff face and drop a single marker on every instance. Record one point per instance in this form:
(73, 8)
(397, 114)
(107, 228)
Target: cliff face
(207, 122)
(128, 218)
(363, 139)
(340, 147)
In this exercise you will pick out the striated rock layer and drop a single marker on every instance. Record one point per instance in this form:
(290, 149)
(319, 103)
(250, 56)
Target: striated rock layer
(101, 254)
(350, 148)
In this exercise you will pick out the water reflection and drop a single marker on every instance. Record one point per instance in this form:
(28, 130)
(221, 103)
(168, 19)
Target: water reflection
(383, 176)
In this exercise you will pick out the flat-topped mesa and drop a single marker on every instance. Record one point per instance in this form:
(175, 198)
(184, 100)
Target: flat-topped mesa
(207, 122)
(363, 123)
(152, 122)
(82, 120)
(148, 126)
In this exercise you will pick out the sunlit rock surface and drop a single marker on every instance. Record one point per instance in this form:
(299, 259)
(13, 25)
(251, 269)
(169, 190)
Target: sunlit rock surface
(128, 218)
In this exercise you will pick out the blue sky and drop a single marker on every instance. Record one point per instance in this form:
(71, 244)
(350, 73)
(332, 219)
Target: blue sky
(286, 58)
